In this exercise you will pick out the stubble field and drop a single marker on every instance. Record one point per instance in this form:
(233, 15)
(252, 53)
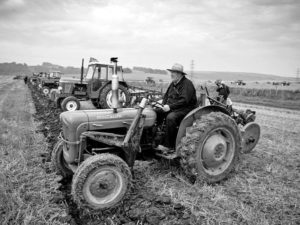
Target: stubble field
(264, 189)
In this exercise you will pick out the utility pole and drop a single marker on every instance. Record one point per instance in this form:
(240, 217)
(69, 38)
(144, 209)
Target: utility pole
(192, 69)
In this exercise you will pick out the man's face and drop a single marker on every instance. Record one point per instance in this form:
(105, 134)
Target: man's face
(175, 76)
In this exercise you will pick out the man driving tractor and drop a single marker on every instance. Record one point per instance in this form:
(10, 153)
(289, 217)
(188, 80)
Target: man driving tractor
(178, 101)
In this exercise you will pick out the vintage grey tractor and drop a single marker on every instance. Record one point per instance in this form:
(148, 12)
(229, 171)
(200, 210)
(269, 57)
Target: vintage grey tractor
(98, 148)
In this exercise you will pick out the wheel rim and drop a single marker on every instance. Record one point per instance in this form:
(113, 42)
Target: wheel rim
(103, 186)
(46, 91)
(217, 151)
(71, 105)
(122, 98)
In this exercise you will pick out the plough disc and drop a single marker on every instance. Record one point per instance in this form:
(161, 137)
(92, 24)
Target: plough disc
(250, 136)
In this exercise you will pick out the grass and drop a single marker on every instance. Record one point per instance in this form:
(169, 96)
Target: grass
(27, 188)
(272, 102)
(263, 190)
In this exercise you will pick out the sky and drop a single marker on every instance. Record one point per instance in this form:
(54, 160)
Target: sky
(259, 36)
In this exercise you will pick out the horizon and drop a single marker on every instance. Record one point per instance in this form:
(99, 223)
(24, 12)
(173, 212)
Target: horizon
(187, 71)
(254, 36)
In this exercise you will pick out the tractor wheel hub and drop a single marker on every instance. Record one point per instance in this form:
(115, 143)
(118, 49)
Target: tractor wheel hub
(214, 150)
(71, 106)
(103, 184)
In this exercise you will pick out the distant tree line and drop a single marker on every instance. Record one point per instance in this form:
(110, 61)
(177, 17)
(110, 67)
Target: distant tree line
(23, 69)
(149, 70)
(127, 70)
(13, 68)
(48, 67)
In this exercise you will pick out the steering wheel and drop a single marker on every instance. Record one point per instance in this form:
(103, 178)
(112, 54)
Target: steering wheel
(157, 104)
(154, 102)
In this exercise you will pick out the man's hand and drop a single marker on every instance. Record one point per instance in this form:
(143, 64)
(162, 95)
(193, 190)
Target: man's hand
(166, 108)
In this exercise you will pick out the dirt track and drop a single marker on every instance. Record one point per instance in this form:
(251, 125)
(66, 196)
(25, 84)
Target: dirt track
(142, 205)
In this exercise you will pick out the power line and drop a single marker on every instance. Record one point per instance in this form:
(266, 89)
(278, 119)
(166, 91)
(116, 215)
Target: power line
(192, 69)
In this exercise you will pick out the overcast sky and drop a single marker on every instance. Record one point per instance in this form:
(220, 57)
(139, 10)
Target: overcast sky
(219, 35)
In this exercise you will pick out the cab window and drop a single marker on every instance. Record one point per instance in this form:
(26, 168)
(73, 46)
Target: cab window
(90, 72)
(105, 71)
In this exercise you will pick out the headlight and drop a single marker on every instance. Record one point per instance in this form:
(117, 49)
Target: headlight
(59, 88)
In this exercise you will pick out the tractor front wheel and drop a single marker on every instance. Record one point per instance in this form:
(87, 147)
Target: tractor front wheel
(46, 90)
(101, 182)
(58, 162)
(211, 148)
(70, 103)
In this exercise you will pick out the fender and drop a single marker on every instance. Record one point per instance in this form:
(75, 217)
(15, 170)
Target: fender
(109, 82)
(194, 115)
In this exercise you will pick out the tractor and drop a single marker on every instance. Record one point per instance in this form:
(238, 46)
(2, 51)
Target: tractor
(94, 85)
(239, 82)
(98, 148)
(150, 81)
(50, 82)
(39, 79)
(33, 78)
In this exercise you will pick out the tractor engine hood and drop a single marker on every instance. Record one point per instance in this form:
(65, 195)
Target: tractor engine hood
(76, 122)
(74, 80)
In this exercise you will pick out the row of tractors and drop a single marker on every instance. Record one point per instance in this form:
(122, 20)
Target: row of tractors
(94, 84)
(98, 147)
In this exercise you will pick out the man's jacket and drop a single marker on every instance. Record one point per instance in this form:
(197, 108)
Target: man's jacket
(181, 96)
(224, 91)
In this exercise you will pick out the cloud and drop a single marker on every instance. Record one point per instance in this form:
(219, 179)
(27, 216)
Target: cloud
(154, 33)
(11, 4)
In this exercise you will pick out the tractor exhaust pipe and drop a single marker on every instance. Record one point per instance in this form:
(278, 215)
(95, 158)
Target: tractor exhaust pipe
(82, 70)
(115, 85)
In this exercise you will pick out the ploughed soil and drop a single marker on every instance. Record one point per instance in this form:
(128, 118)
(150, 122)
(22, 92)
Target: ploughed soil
(141, 206)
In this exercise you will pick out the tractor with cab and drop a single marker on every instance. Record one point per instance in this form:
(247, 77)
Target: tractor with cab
(94, 85)
(50, 82)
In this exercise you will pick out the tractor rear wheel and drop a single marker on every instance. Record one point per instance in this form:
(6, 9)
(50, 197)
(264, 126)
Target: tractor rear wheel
(70, 103)
(58, 161)
(105, 98)
(95, 102)
(211, 148)
(101, 182)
